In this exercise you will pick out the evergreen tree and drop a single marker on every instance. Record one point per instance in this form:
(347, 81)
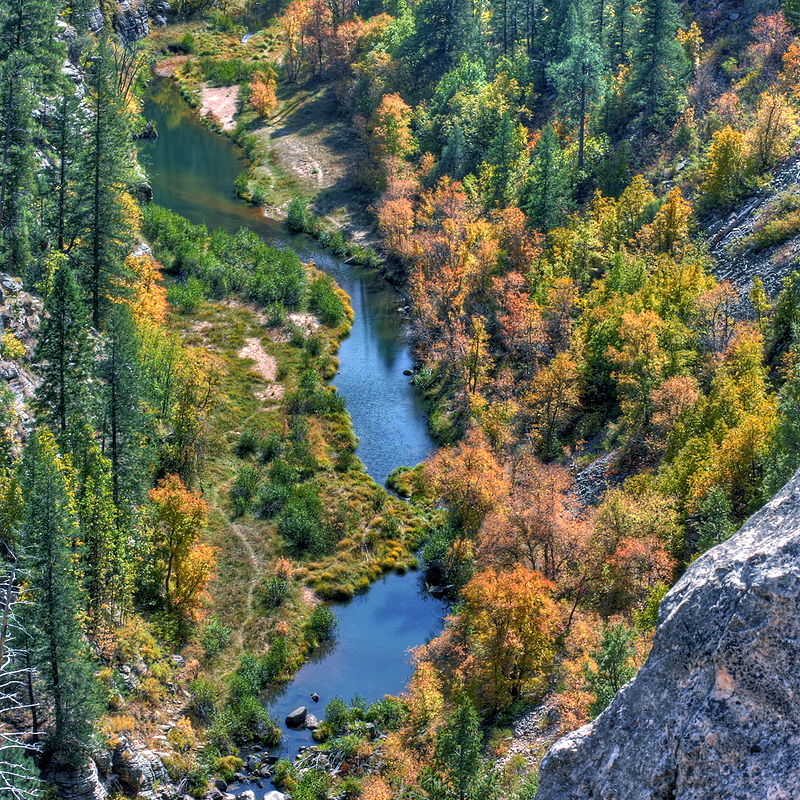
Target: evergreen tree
(66, 141)
(578, 77)
(546, 193)
(660, 65)
(614, 668)
(124, 441)
(28, 55)
(454, 154)
(716, 519)
(456, 773)
(444, 30)
(504, 166)
(106, 568)
(620, 31)
(105, 165)
(50, 533)
(63, 355)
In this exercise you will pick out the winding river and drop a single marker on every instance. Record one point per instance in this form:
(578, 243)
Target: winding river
(192, 172)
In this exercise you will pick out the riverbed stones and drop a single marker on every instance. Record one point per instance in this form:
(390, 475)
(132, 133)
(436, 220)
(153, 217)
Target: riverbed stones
(249, 794)
(297, 719)
(713, 712)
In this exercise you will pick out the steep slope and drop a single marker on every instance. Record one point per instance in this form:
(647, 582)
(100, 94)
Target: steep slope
(714, 711)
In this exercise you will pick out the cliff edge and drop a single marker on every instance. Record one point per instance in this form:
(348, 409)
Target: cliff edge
(715, 711)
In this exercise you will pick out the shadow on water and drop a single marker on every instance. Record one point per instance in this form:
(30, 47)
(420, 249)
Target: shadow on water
(192, 171)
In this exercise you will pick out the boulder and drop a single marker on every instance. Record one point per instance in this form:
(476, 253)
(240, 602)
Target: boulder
(274, 796)
(713, 712)
(297, 718)
(248, 795)
(312, 723)
(315, 697)
(221, 785)
(79, 783)
(137, 768)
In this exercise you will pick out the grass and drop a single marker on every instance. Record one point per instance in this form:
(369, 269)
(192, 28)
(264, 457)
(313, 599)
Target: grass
(373, 531)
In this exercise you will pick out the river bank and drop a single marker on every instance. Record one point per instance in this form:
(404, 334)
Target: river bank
(192, 171)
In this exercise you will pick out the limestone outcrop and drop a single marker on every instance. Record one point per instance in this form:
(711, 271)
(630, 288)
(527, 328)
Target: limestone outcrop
(714, 714)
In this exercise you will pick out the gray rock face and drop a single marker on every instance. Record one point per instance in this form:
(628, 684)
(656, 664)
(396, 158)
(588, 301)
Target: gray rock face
(714, 712)
(137, 768)
(132, 18)
(79, 783)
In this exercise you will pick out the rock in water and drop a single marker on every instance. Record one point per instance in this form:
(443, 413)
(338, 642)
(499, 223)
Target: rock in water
(713, 713)
(297, 718)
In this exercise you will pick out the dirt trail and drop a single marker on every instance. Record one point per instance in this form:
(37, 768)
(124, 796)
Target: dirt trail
(241, 534)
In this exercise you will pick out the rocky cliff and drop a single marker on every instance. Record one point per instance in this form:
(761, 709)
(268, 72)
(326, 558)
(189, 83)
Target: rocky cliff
(714, 713)
(131, 18)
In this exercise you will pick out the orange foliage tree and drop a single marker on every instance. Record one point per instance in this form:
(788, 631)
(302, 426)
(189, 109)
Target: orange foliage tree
(180, 518)
(509, 622)
(468, 480)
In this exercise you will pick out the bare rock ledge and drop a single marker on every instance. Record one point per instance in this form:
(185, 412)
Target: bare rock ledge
(714, 714)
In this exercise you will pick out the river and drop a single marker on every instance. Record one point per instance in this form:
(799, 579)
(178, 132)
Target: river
(192, 172)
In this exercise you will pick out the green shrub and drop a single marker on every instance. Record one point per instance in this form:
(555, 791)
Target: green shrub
(297, 215)
(226, 71)
(273, 591)
(321, 627)
(188, 295)
(271, 448)
(301, 524)
(216, 637)
(247, 443)
(204, 697)
(244, 489)
(326, 302)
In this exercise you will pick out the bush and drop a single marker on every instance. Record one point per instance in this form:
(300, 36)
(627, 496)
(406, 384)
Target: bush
(187, 296)
(321, 627)
(273, 591)
(301, 522)
(216, 637)
(297, 215)
(270, 448)
(271, 499)
(244, 488)
(11, 347)
(247, 444)
(326, 302)
(204, 697)
(226, 71)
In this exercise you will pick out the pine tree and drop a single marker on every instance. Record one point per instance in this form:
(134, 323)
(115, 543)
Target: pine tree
(578, 77)
(64, 355)
(66, 141)
(501, 172)
(620, 31)
(105, 166)
(660, 64)
(50, 533)
(546, 193)
(614, 668)
(454, 154)
(457, 758)
(123, 428)
(28, 55)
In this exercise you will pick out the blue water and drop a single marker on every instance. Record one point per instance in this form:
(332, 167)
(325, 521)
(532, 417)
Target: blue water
(192, 171)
